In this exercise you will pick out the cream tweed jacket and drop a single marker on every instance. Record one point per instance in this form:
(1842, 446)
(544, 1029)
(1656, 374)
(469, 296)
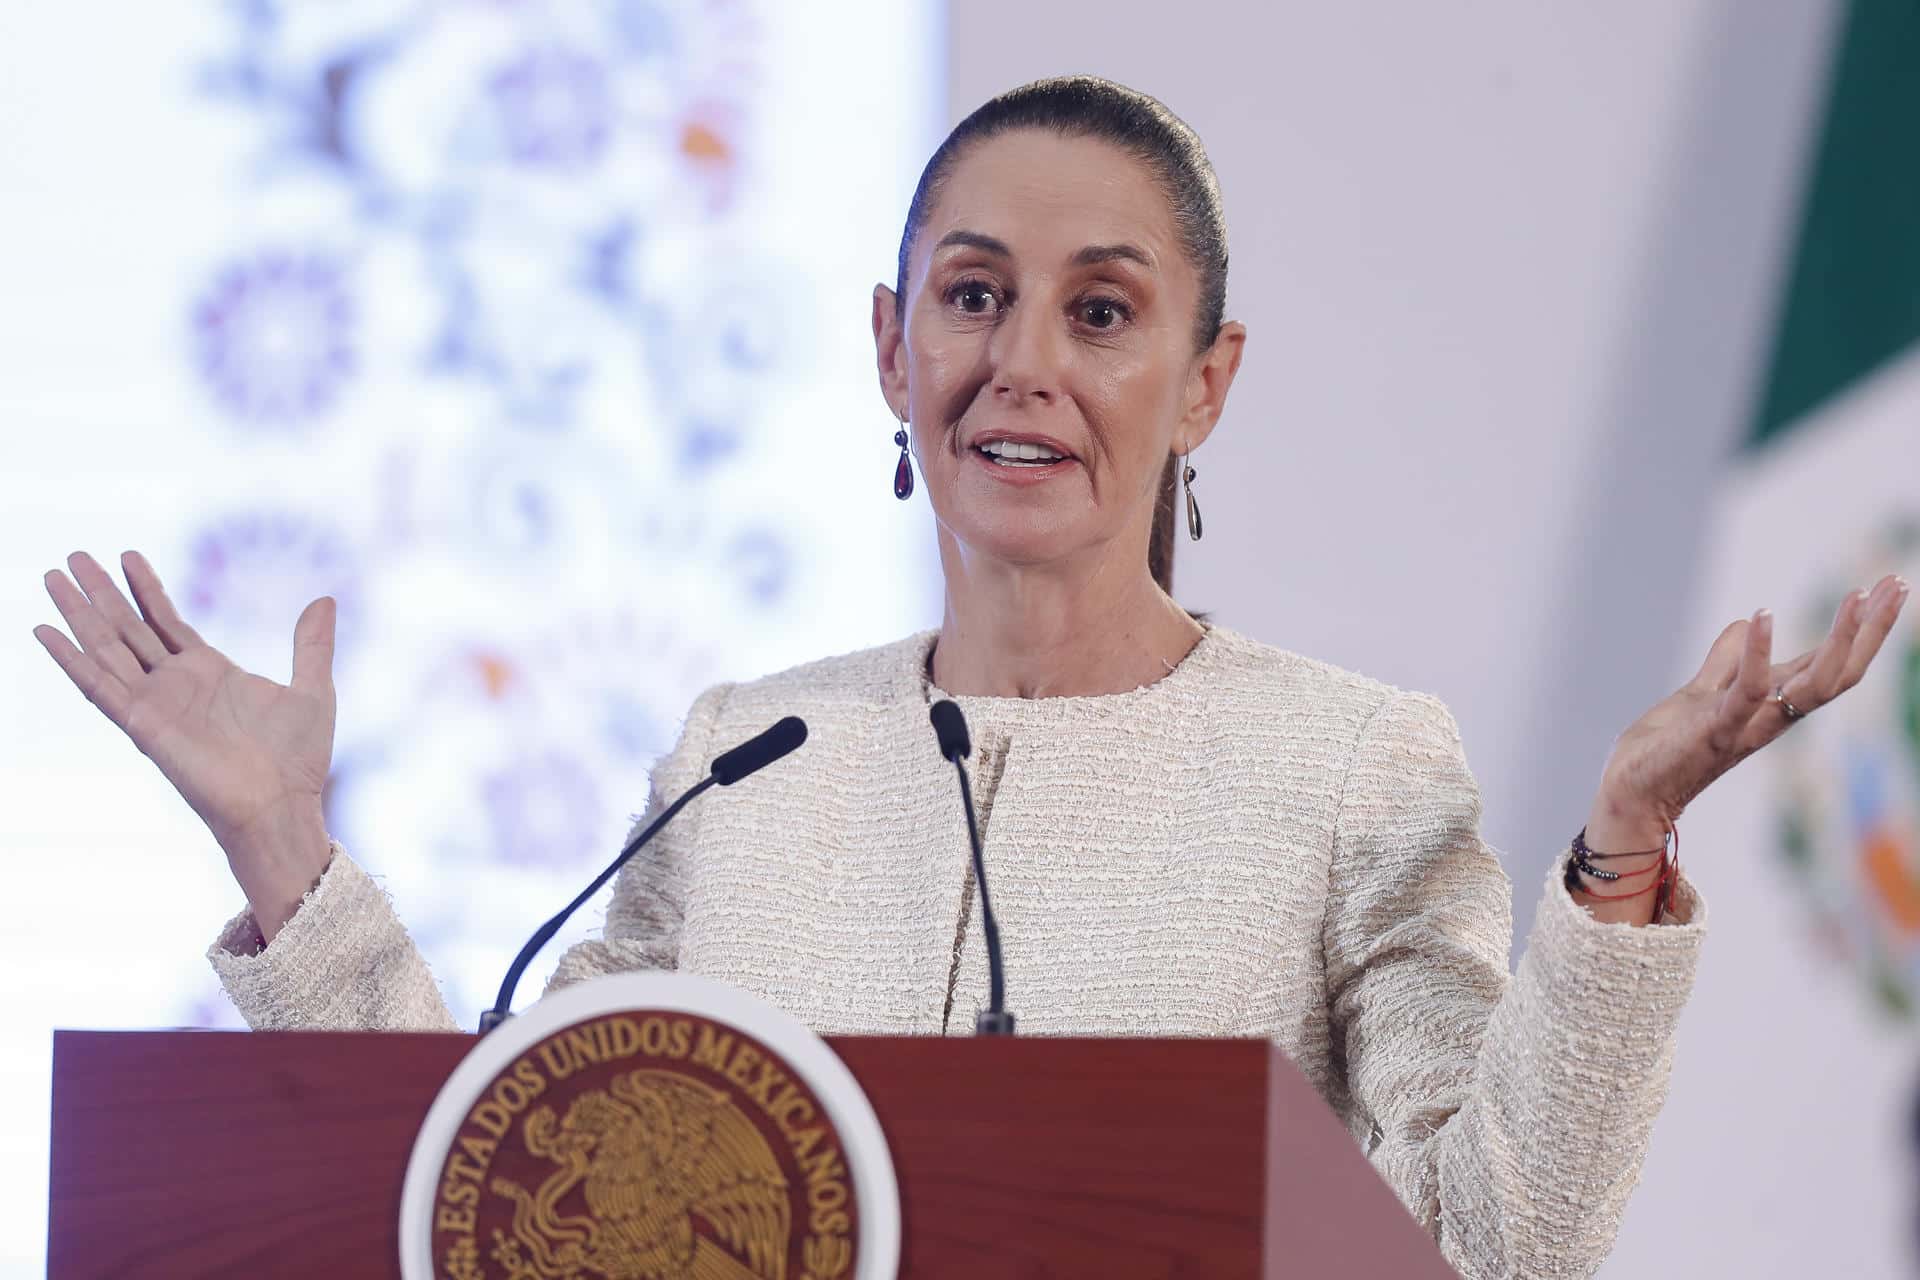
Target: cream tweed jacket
(1259, 844)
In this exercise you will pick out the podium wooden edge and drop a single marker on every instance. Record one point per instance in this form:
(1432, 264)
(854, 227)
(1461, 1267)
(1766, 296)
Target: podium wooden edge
(1312, 1247)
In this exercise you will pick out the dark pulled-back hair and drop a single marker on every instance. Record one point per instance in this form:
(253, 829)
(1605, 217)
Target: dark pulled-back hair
(1089, 107)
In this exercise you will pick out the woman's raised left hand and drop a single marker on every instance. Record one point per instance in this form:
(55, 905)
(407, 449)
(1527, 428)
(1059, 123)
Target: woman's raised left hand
(1725, 714)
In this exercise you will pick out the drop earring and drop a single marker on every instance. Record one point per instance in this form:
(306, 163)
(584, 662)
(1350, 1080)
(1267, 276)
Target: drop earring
(903, 473)
(1193, 507)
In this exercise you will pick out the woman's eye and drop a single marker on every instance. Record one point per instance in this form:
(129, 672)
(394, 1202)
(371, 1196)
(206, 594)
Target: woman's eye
(1102, 313)
(973, 297)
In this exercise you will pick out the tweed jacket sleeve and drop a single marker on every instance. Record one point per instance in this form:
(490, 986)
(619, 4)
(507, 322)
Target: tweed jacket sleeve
(344, 961)
(1509, 1114)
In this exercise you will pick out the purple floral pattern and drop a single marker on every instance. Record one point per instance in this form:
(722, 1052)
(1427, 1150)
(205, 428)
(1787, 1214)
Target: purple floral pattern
(273, 336)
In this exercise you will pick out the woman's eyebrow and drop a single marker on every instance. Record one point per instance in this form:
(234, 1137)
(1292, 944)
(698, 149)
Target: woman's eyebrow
(975, 240)
(1094, 254)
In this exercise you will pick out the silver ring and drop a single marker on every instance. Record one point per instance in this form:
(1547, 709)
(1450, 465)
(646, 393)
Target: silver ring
(1793, 712)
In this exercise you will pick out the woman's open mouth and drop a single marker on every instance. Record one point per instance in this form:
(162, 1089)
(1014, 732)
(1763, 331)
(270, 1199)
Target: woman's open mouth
(1008, 454)
(1018, 460)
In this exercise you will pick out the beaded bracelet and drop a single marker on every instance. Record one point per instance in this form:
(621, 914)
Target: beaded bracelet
(1669, 868)
(1582, 856)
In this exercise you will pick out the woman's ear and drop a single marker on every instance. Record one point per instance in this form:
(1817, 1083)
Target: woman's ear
(890, 349)
(1207, 386)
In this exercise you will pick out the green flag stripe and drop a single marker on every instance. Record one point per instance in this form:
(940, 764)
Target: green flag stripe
(1853, 298)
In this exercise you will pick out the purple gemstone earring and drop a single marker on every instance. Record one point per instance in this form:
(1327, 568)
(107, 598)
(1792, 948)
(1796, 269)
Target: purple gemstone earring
(1193, 507)
(903, 473)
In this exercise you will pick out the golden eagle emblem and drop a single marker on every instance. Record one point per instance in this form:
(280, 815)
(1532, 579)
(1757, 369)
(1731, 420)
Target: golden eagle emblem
(652, 1152)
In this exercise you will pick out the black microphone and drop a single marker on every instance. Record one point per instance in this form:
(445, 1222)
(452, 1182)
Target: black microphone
(754, 754)
(950, 727)
(759, 751)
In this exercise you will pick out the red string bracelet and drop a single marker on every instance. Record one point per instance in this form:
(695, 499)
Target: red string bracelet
(1616, 897)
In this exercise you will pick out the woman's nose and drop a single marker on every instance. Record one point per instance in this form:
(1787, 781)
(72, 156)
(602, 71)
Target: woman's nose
(1027, 356)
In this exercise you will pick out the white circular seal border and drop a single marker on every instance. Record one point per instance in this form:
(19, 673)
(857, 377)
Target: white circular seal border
(869, 1161)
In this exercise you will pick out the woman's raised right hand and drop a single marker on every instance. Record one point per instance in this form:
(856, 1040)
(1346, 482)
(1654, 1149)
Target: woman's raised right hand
(248, 754)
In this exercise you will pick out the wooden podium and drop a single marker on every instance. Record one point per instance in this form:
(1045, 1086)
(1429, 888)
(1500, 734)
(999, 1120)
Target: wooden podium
(202, 1153)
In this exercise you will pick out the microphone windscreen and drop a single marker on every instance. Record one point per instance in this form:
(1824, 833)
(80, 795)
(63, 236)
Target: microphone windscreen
(950, 727)
(759, 751)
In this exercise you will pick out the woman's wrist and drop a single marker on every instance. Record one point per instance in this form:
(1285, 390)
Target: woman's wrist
(1618, 826)
(278, 859)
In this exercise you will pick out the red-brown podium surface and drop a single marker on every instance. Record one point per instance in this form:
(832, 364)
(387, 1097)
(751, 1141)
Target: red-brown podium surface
(208, 1153)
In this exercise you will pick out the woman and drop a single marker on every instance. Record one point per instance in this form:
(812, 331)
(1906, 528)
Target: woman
(1191, 833)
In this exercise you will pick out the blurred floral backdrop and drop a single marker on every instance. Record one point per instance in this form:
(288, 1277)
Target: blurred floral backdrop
(536, 333)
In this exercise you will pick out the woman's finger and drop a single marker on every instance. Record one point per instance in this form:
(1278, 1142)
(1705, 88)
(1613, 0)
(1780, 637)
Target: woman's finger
(1785, 671)
(1723, 658)
(106, 598)
(156, 605)
(1820, 682)
(100, 688)
(96, 637)
(1883, 612)
(313, 644)
(1750, 686)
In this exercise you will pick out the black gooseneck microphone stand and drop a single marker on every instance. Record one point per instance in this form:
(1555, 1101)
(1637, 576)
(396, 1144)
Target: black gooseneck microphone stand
(955, 744)
(749, 757)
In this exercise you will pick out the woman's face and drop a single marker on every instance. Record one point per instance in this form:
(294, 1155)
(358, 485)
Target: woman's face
(1050, 309)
